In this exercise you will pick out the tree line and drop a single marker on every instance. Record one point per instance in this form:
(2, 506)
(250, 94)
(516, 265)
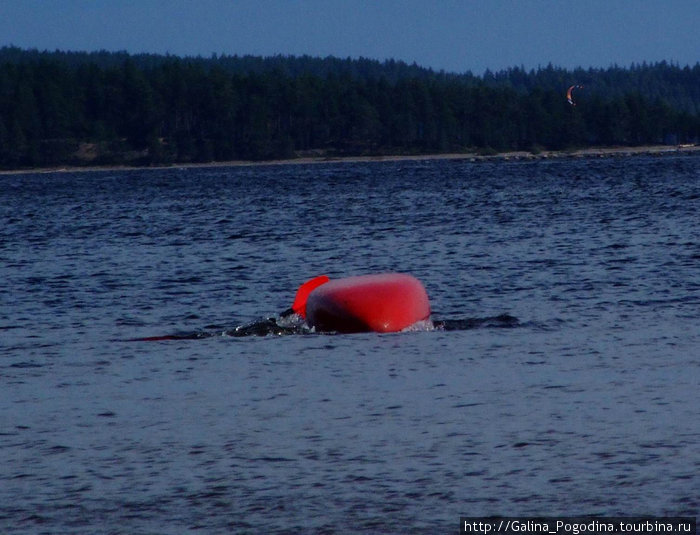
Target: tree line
(107, 108)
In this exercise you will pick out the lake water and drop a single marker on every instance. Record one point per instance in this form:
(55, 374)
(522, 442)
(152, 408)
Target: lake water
(562, 375)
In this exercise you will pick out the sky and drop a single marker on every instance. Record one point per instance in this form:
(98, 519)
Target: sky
(451, 35)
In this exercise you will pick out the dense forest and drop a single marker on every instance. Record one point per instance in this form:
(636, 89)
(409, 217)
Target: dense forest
(110, 108)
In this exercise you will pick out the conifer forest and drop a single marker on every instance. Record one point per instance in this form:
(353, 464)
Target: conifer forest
(105, 108)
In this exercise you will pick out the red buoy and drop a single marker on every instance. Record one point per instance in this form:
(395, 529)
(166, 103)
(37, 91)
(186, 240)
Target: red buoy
(388, 302)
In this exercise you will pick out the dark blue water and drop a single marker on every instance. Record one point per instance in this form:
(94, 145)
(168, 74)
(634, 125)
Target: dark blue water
(584, 400)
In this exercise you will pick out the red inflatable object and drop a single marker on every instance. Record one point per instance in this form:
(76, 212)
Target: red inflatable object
(303, 292)
(383, 303)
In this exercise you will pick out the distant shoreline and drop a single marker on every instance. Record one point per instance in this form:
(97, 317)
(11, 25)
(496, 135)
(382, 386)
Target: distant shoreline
(592, 152)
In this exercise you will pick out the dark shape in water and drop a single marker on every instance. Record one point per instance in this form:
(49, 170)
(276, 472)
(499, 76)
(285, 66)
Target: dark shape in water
(283, 326)
(265, 327)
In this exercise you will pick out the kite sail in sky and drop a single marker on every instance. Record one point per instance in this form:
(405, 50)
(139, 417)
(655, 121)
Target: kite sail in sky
(569, 94)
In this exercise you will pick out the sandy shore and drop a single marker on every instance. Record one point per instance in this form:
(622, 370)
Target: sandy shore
(593, 152)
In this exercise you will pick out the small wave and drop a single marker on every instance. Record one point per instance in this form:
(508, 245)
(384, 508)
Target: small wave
(464, 324)
(26, 365)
